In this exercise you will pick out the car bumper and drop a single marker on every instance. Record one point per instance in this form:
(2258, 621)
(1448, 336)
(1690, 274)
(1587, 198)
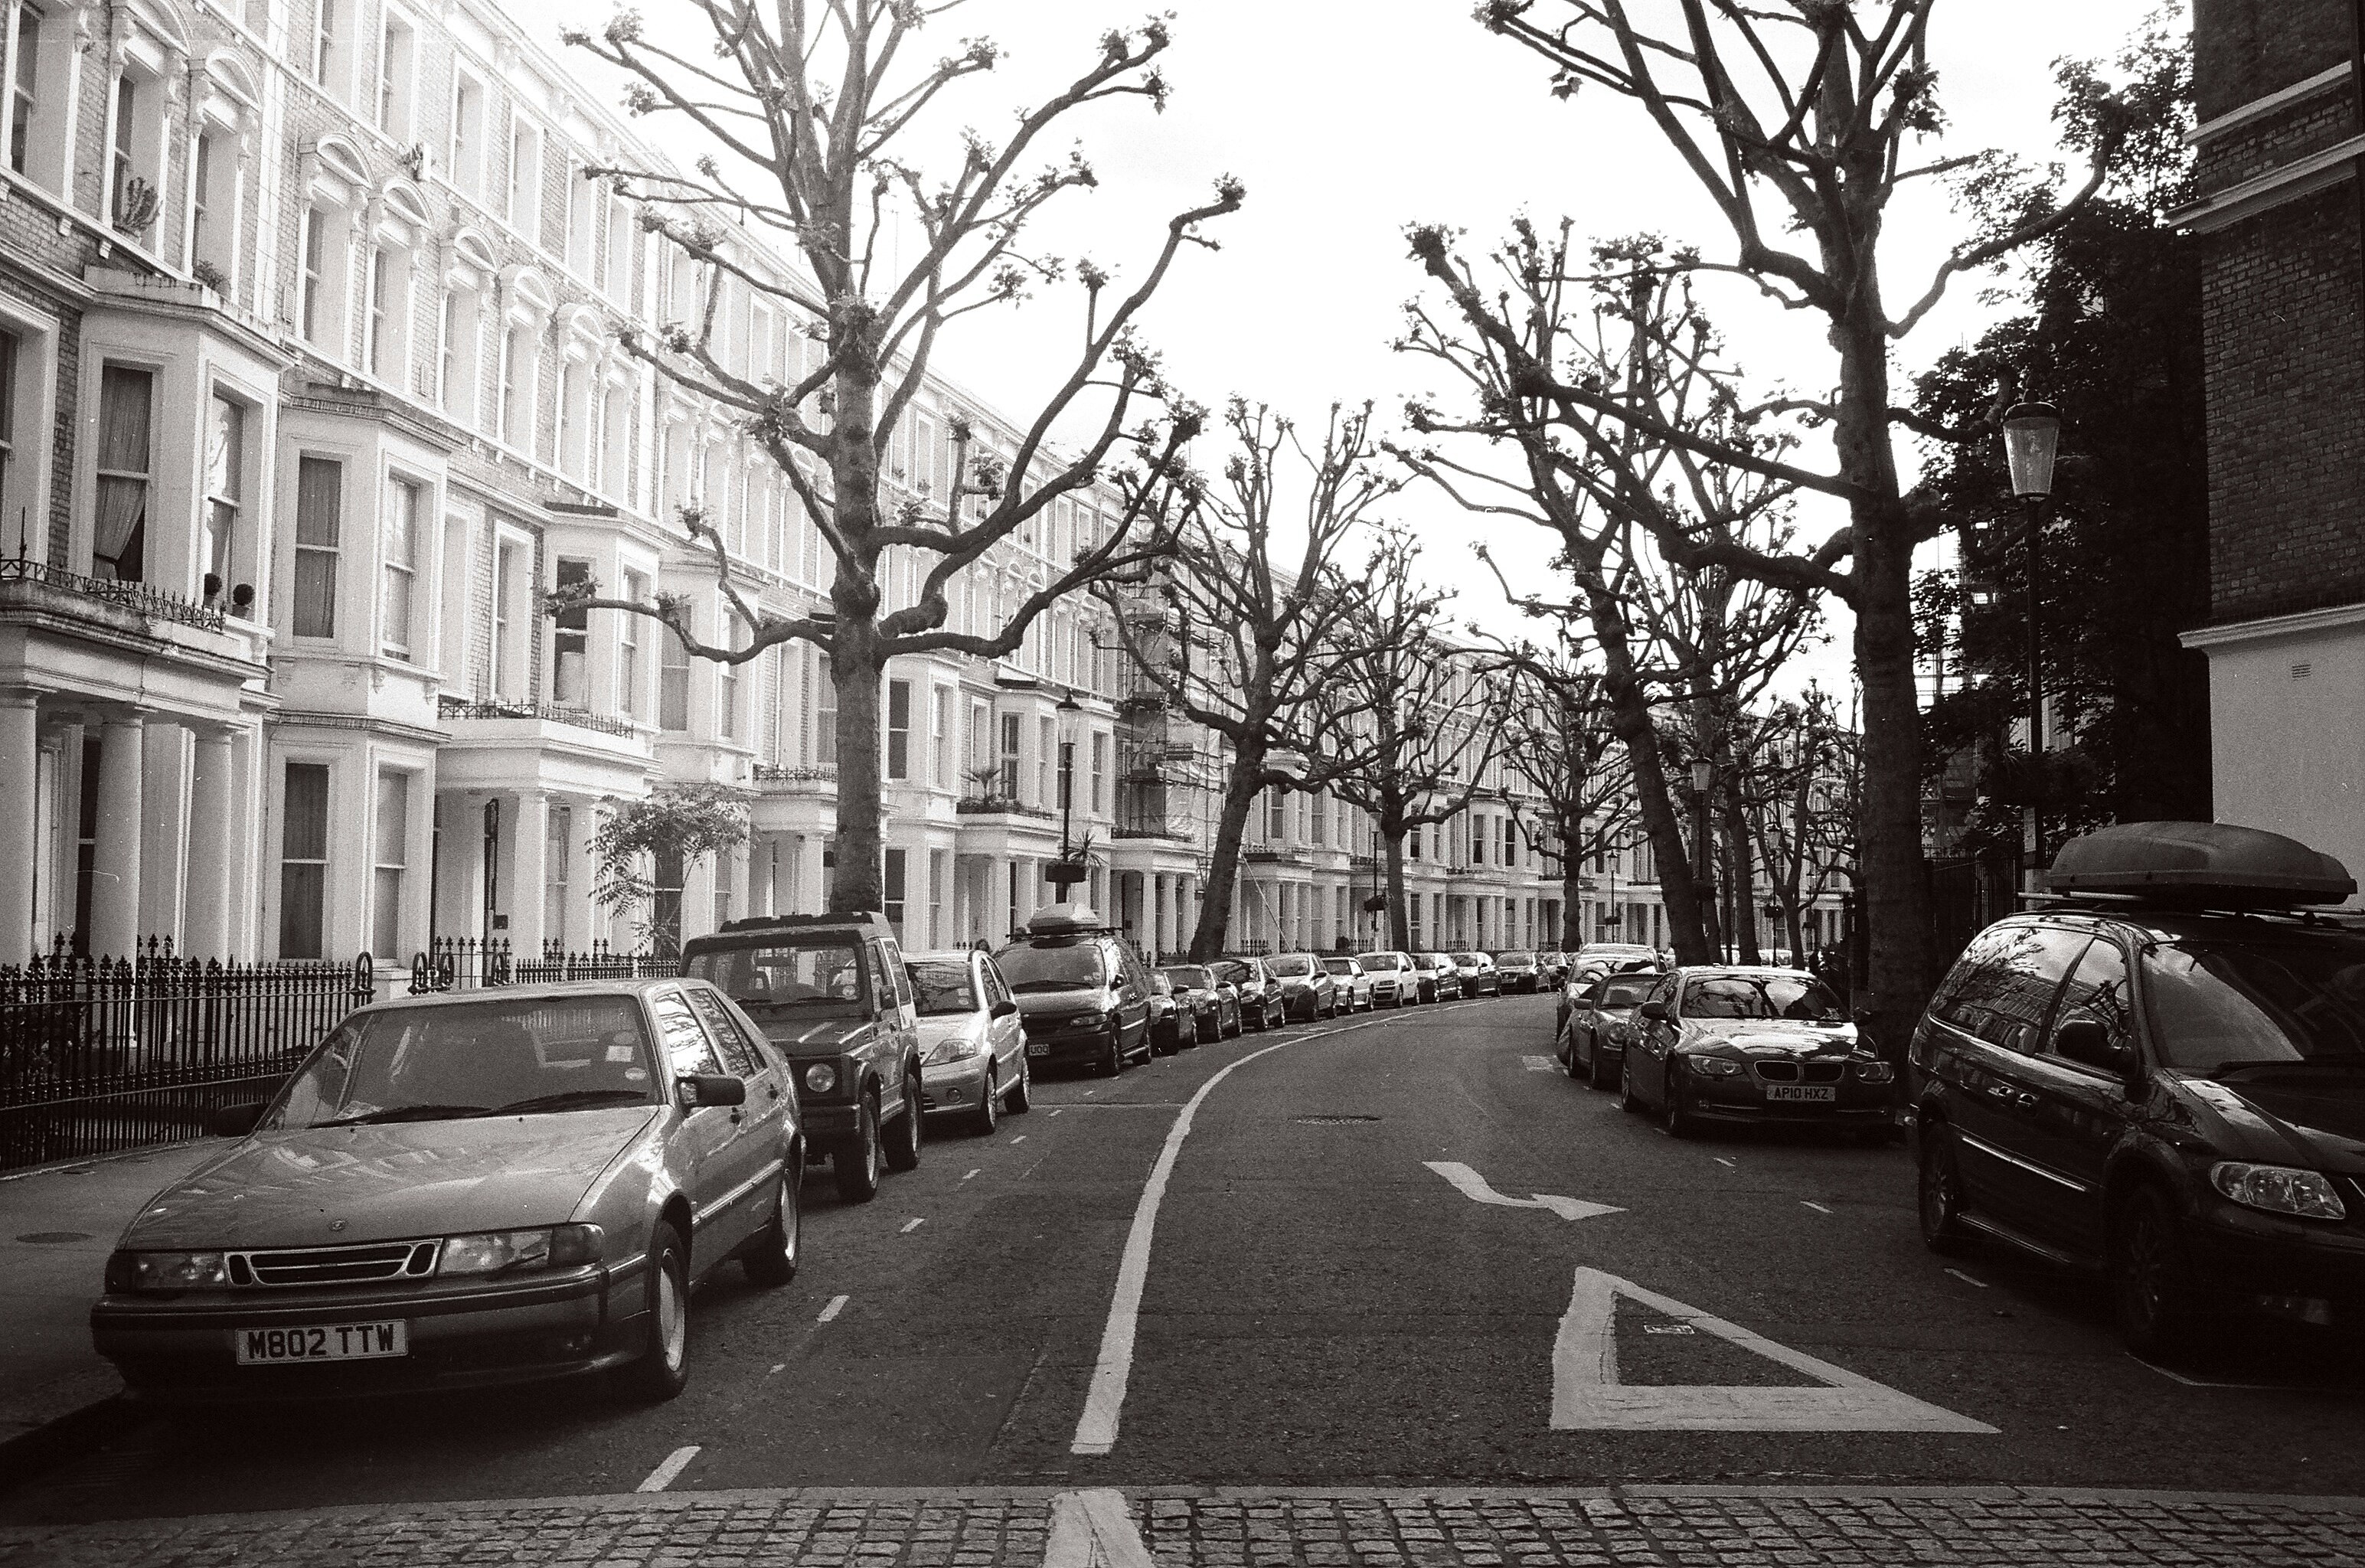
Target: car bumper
(1068, 1047)
(185, 1350)
(2288, 1268)
(956, 1086)
(1855, 1107)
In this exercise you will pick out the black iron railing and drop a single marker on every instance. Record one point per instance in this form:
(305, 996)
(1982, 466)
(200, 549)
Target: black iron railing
(98, 1055)
(812, 779)
(140, 598)
(471, 963)
(452, 707)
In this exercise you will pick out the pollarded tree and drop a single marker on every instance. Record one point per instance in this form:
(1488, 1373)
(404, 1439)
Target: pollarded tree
(812, 114)
(1557, 732)
(1246, 630)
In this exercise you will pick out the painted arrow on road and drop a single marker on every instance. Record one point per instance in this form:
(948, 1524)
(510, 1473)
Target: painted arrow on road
(1476, 1188)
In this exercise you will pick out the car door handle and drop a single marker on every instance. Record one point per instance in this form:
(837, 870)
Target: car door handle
(2024, 1100)
(2000, 1091)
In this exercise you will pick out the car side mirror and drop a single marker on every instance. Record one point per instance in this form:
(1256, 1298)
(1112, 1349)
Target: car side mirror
(236, 1121)
(1655, 1010)
(2084, 1041)
(713, 1088)
(1006, 1008)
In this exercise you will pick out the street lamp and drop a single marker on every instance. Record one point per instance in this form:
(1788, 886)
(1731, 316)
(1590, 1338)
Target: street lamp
(2031, 436)
(1070, 869)
(1703, 776)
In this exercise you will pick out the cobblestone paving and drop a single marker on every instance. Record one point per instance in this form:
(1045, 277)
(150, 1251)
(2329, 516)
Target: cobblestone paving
(1696, 1528)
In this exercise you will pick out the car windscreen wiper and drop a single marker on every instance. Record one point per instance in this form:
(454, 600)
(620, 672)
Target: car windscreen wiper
(574, 1100)
(1053, 985)
(409, 1114)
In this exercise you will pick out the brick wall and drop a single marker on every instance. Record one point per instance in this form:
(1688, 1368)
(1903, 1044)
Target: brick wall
(2247, 49)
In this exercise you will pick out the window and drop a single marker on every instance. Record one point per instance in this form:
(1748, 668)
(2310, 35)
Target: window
(325, 58)
(24, 83)
(310, 314)
(319, 520)
(616, 440)
(2003, 987)
(378, 328)
(386, 885)
(118, 543)
(726, 702)
(618, 244)
(1100, 771)
(673, 685)
(455, 355)
(1276, 814)
(583, 208)
(123, 167)
(11, 349)
(508, 661)
(525, 175)
(571, 642)
(940, 737)
(519, 357)
(304, 861)
(466, 149)
(401, 566)
(575, 418)
(898, 729)
(1010, 756)
(825, 712)
(939, 874)
(2099, 989)
(1047, 757)
(892, 885)
(396, 52)
(628, 650)
(225, 488)
(204, 234)
(558, 836)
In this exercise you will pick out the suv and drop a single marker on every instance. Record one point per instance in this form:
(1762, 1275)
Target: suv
(1081, 993)
(2160, 1074)
(831, 993)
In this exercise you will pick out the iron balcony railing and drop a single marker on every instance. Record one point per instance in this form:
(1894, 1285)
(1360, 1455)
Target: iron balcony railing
(140, 598)
(472, 963)
(811, 778)
(451, 707)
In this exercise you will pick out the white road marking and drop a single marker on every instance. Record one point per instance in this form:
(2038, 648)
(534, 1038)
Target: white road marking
(972, 1173)
(1967, 1278)
(674, 1464)
(1588, 1396)
(912, 1225)
(836, 1304)
(1020, 1139)
(1092, 1529)
(2205, 1382)
(1056, 1109)
(1540, 1064)
(1815, 1205)
(1728, 1164)
(777, 1368)
(1104, 1402)
(1475, 1187)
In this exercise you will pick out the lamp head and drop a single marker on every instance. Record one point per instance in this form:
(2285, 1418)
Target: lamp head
(2032, 435)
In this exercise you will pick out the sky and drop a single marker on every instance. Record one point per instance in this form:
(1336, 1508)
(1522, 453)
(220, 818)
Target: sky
(1350, 120)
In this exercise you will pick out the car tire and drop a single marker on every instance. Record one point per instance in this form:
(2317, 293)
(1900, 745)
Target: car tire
(1111, 1065)
(662, 1368)
(1234, 1032)
(903, 1149)
(2151, 1280)
(860, 1167)
(1597, 1074)
(1627, 1099)
(1938, 1193)
(989, 1107)
(1022, 1094)
(770, 1260)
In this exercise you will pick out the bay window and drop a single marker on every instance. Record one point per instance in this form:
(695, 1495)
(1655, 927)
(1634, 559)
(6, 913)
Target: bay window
(319, 522)
(571, 640)
(125, 403)
(225, 490)
(401, 566)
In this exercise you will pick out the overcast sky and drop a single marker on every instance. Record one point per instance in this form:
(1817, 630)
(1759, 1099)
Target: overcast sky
(1349, 119)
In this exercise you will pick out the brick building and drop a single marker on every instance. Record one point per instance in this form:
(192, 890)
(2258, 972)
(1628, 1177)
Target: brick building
(2278, 140)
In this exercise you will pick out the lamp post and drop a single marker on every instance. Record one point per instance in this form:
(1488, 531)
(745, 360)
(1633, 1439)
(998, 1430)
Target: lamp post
(1070, 869)
(2032, 435)
(1703, 776)
(1773, 914)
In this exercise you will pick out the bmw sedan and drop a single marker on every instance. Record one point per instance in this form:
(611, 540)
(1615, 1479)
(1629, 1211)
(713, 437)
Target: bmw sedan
(462, 1189)
(1477, 974)
(972, 1047)
(1728, 1044)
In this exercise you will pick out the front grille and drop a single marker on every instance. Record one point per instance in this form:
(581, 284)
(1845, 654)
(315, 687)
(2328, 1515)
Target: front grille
(1824, 1071)
(361, 1265)
(1793, 1072)
(1777, 1072)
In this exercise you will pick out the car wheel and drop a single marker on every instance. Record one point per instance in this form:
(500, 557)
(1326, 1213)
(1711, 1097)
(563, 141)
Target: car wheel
(860, 1167)
(662, 1368)
(989, 1107)
(1680, 1122)
(1627, 1099)
(1939, 1192)
(2151, 1281)
(903, 1149)
(1234, 1032)
(770, 1260)
(1596, 1071)
(1022, 1094)
(1114, 1062)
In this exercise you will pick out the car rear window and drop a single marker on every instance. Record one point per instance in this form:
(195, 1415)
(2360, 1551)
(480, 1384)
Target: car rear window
(1290, 964)
(823, 975)
(943, 985)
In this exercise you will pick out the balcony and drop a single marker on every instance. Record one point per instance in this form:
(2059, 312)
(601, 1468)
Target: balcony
(816, 779)
(1276, 855)
(990, 803)
(1151, 825)
(449, 708)
(42, 585)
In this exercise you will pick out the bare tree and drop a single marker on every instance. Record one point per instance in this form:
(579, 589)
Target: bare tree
(1555, 727)
(1252, 629)
(1800, 805)
(811, 107)
(1796, 117)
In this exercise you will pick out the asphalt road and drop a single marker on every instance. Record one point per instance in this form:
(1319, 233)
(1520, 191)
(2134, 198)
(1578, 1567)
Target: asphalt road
(1321, 1306)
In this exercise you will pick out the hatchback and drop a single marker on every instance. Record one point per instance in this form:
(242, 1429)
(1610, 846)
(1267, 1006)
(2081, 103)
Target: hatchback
(972, 1048)
(1081, 991)
(1308, 991)
(1260, 1002)
(1349, 975)
(1214, 1008)
(1392, 977)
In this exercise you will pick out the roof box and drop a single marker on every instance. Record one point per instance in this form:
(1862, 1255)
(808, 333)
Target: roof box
(2213, 863)
(1063, 920)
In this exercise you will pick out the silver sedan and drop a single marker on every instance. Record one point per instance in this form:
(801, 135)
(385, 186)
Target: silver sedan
(972, 1047)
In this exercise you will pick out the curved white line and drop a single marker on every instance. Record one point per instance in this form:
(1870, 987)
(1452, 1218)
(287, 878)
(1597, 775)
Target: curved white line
(1096, 1430)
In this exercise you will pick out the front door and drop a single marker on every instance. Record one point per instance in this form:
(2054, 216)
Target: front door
(2070, 1116)
(1987, 1028)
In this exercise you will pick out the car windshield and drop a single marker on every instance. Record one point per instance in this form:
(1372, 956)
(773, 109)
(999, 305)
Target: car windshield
(1384, 961)
(447, 1061)
(942, 985)
(1341, 966)
(1190, 979)
(1294, 966)
(1517, 960)
(1056, 966)
(1467, 960)
(1795, 997)
(1626, 993)
(2218, 1007)
(821, 974)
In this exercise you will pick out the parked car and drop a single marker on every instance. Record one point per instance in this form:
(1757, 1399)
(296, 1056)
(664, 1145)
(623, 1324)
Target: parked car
(830, 992)
(1212, 1006)
(1519, 973)
(1476, 973)
(1592, 1041)
(1443, 979)
(1347, 970)
(1307, 991)
(1166, 1020)
(1552, 967)
(2168, 1087)
(469, 1189)
(1624, 958)
(1260, 1000)
(972, 1048)
(1393, 977)
(1728, 1043)
(1081, 991)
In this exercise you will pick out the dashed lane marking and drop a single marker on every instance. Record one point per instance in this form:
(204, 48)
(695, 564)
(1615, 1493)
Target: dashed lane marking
(1728, 1164)
(663, 1475)
(1815, 1205)
(972, 1173)
(1540, 1064)
(912, 1225)
(1019, 1139)
(1967, 1278)
(777, 1368)
(836, 1304)
(1056, 1109)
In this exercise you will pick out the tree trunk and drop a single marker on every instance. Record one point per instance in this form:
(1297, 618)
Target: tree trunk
(1740, 877)
(1399, 919)
(1241, 784)
(856, 661)
(1629, 719)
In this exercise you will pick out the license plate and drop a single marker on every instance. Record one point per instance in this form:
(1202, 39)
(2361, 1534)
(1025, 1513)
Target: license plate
(343, 1342)
(1037, 1048)
(1816, 1092)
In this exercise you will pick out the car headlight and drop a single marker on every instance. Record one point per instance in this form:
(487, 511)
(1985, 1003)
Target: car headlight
(505, 1252)
(128, 1273)
(2277, 1189)
(821, 1078)
(952, 1048)
(1713, 1067)
(1874, 1072)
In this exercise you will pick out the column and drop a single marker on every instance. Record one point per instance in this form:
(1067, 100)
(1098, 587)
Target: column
(213, 834)
(115, 881)
(813, 876)
(1160, 930)
(19, 793)
(529, 873)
